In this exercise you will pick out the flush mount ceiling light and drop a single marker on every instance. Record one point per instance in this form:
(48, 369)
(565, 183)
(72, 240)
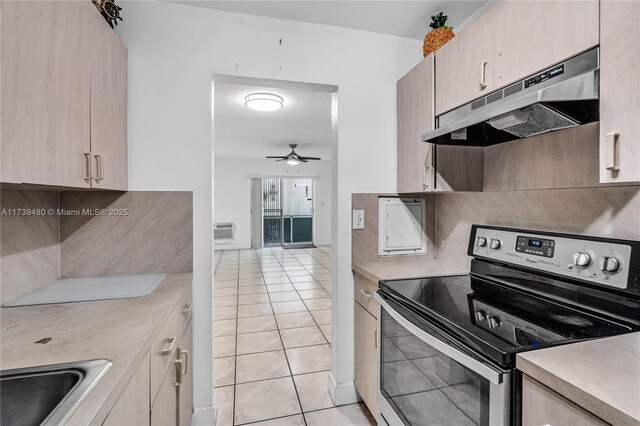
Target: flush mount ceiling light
(263, 102)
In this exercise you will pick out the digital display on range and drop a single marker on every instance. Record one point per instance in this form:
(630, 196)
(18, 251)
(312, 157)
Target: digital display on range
(535, 246)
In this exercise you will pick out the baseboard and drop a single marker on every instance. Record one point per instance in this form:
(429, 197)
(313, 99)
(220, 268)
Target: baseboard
(342, 394)
(204, 416)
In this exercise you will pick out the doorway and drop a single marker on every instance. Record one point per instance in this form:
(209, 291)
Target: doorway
(285, 213)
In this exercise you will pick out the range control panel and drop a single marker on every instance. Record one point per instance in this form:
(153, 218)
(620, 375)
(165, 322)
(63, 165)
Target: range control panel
(600, 262)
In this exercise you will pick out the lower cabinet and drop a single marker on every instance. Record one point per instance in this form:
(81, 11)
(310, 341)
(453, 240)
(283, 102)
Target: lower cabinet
(132, 408)
(542, 406)
(161, 390)
(366, 343)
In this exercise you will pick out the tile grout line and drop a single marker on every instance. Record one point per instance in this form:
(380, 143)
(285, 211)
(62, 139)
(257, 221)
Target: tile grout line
(286, 356)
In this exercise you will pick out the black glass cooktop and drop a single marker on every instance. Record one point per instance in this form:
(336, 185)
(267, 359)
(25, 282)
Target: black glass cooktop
(495, 320)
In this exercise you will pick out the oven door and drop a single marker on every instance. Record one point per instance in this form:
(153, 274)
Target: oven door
(427, 378)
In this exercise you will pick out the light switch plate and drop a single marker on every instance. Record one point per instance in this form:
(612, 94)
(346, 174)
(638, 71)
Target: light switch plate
(358, 219)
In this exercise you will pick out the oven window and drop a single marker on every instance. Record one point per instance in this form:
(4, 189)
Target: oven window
(426, 387)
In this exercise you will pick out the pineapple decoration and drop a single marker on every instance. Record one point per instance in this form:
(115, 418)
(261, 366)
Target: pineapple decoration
(439, 35)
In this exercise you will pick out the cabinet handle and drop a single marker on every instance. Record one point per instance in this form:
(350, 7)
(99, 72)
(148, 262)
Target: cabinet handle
(375, 337)
(365, 294)
(611, 147)
(172, 342)
(178, 365)
(187, 308)
(88, 169)
(425, 176)
(483, 75)
(186, 362)
(99, 169)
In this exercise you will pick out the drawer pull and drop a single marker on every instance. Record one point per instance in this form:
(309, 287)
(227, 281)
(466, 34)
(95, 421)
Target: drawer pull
(89, 170)
(99, 170)
(178, 364)
(187, 308)
(172, 342)
(185, 370)
(483, 75)
(611, 145)
(365, 294)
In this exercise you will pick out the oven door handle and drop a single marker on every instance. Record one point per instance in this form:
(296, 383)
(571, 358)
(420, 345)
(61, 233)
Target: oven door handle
(484, 369)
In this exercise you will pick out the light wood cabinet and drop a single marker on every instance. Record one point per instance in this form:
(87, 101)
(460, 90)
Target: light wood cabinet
(164, 410)
(529, 36)
(132, 408)
(185, 394)
(542, 406)
(366, 366)
(63, 85)
(464, 66)
(619, 91)
(510, 41)
(45, 86)
(109, 109)
(415, 117)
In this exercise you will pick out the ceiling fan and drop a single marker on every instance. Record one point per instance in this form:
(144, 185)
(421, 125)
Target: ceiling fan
(293, 158)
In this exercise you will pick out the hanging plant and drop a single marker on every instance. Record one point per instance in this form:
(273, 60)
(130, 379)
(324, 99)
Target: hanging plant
(439, 35)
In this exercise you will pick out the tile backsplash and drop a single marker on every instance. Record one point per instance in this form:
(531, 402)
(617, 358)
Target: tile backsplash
(91, 233)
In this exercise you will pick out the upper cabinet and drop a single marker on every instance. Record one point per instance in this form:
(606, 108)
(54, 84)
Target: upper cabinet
(109, 109)
(619, 91)
(63, 85)
(415, 116)
(45, 86)
(464, 66)
(510, 41)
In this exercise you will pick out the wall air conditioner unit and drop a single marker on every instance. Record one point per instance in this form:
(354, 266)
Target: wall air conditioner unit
(223, 232)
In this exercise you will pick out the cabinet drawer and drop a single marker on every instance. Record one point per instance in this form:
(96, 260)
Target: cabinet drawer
(363, 294)
(164, 348)
(164, 410)
(185, 307)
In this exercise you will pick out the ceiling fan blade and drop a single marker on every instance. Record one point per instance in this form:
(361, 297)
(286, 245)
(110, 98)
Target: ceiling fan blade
(303, 160)
(282, 159)
(276, 156)
(309, 158)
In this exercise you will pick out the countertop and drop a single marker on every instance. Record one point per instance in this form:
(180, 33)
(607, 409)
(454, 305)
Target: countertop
(121, 330)
(602, 376)
(406, 267)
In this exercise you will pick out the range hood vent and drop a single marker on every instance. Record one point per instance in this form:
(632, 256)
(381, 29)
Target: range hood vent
(562, 96)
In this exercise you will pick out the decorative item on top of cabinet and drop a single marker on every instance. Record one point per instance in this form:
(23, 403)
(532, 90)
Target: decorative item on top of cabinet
(109, 10)
(438, 36)
(619, 91)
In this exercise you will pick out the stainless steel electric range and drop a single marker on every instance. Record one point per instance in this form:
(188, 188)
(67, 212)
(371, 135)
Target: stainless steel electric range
(447, 344)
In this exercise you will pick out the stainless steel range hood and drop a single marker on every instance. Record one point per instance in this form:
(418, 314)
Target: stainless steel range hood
(561, 96)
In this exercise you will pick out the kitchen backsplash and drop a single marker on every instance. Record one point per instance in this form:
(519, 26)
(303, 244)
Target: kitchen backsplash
(605, 212)
(47, 235)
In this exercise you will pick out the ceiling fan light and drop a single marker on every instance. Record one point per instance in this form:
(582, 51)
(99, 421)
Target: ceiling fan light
(293, 161)
(263, 102)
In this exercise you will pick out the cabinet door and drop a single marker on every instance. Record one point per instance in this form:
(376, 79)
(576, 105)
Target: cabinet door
(108, 107)
(164, 411)
(619, 91)
(464, 66)
(45, 92)
(532, 35)
(542, 406)
(185, 352)
(366, 374)
(415, 117)
(132, 408)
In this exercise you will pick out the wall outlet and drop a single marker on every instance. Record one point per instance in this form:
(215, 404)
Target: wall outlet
(358, 219)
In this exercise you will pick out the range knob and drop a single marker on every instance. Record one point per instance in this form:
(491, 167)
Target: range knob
(495, 244)
(481, 242)
(480, 316)
(581, 259)
(609, 264)
(493, 322)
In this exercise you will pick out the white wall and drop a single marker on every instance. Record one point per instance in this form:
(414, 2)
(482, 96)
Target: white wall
(173, 52)
(232, 189)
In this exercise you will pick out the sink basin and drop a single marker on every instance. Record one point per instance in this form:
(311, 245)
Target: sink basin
(47, 394)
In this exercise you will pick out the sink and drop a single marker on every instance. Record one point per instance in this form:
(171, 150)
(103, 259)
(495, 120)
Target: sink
(47, 394)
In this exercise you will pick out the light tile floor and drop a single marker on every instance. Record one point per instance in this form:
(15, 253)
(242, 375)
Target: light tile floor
(272, 339)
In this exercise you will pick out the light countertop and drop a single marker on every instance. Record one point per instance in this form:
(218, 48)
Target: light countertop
(602, 376)
(121, 330)
(406, 267)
